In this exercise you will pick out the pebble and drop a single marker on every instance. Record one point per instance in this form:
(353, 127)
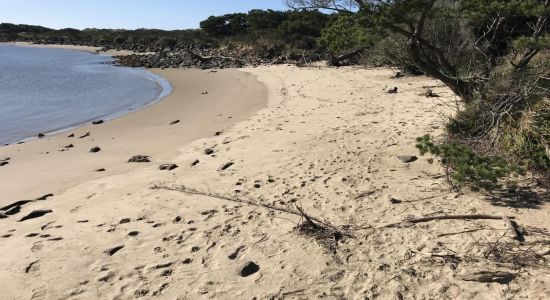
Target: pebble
(407, 158)
(248, 269)
(95, 149)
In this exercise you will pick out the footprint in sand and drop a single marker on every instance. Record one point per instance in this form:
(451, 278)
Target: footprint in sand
(235, 254)
(33, 267)
(39, 293)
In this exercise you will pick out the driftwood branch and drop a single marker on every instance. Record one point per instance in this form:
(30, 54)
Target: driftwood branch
(487, 276)
(449, 217)
(200, 57)
(298, 211)
(513, 228)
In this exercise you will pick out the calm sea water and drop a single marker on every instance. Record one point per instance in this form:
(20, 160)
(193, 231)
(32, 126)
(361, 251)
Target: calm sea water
(48, 90)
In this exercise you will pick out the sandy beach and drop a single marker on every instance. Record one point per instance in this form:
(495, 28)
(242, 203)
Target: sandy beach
(73, 47)
(325, 139)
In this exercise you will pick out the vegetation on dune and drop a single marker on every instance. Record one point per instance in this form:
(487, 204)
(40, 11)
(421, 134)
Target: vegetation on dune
(494, 55)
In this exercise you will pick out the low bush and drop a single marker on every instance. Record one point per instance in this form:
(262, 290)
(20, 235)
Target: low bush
(468, 168)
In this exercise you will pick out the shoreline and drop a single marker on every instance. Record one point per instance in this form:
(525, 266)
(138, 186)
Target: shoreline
(30, 160)
(89, 49)
(162, 83)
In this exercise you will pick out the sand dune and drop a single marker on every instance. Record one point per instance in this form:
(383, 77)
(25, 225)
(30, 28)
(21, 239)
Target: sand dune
(328, 140)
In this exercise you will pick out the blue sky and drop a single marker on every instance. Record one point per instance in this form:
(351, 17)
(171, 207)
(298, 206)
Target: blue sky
(127, 14)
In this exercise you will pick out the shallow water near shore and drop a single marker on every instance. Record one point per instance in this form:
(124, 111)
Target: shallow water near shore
(51, 90)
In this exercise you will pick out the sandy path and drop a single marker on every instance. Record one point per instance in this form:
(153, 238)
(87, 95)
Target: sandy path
(329, 140)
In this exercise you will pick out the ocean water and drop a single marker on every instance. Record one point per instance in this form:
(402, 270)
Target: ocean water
(49, 90)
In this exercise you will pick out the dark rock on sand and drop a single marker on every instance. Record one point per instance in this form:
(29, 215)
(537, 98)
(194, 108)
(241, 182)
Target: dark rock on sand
(208, 151)
(195, 162)
(71, 135)
(100, 170)
(248, 269)
(174, 122)
(124, 221)
(95, 149)
(393, 90)
(69, 146)
(97, 122)
(3, 163)
(36, 214)
(41, 135)
(113, 250)
(15, 204)
(168, 167)
(395, 201)
(187, 261)
(133, 233)
(140, 159)
(13, 211)
(85, 135)
(408, 158)
(226, 166)
(218, 133)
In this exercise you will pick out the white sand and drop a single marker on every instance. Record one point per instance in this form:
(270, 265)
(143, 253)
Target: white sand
(328, 139)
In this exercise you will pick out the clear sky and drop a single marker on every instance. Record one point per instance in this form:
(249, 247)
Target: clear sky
(123, 14)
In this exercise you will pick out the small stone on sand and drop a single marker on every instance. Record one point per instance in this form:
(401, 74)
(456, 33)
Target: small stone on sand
(95, 149)
(248, 269)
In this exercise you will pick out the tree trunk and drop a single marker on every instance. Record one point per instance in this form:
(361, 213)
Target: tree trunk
(336, 60)
(459, 86)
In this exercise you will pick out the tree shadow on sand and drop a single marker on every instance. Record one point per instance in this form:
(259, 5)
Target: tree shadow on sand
(524, 197)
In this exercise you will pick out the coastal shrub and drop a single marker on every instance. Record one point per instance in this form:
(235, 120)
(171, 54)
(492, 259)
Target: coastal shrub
(347, 33)
(468, 168)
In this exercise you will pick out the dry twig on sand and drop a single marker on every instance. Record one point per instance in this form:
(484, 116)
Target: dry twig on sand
(487, 276)
(326, 234)
(448, 217)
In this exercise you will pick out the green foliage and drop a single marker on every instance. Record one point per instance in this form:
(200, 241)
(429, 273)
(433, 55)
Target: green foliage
(467, 167)
(346, 33)
(530, 140)
(526, 42)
